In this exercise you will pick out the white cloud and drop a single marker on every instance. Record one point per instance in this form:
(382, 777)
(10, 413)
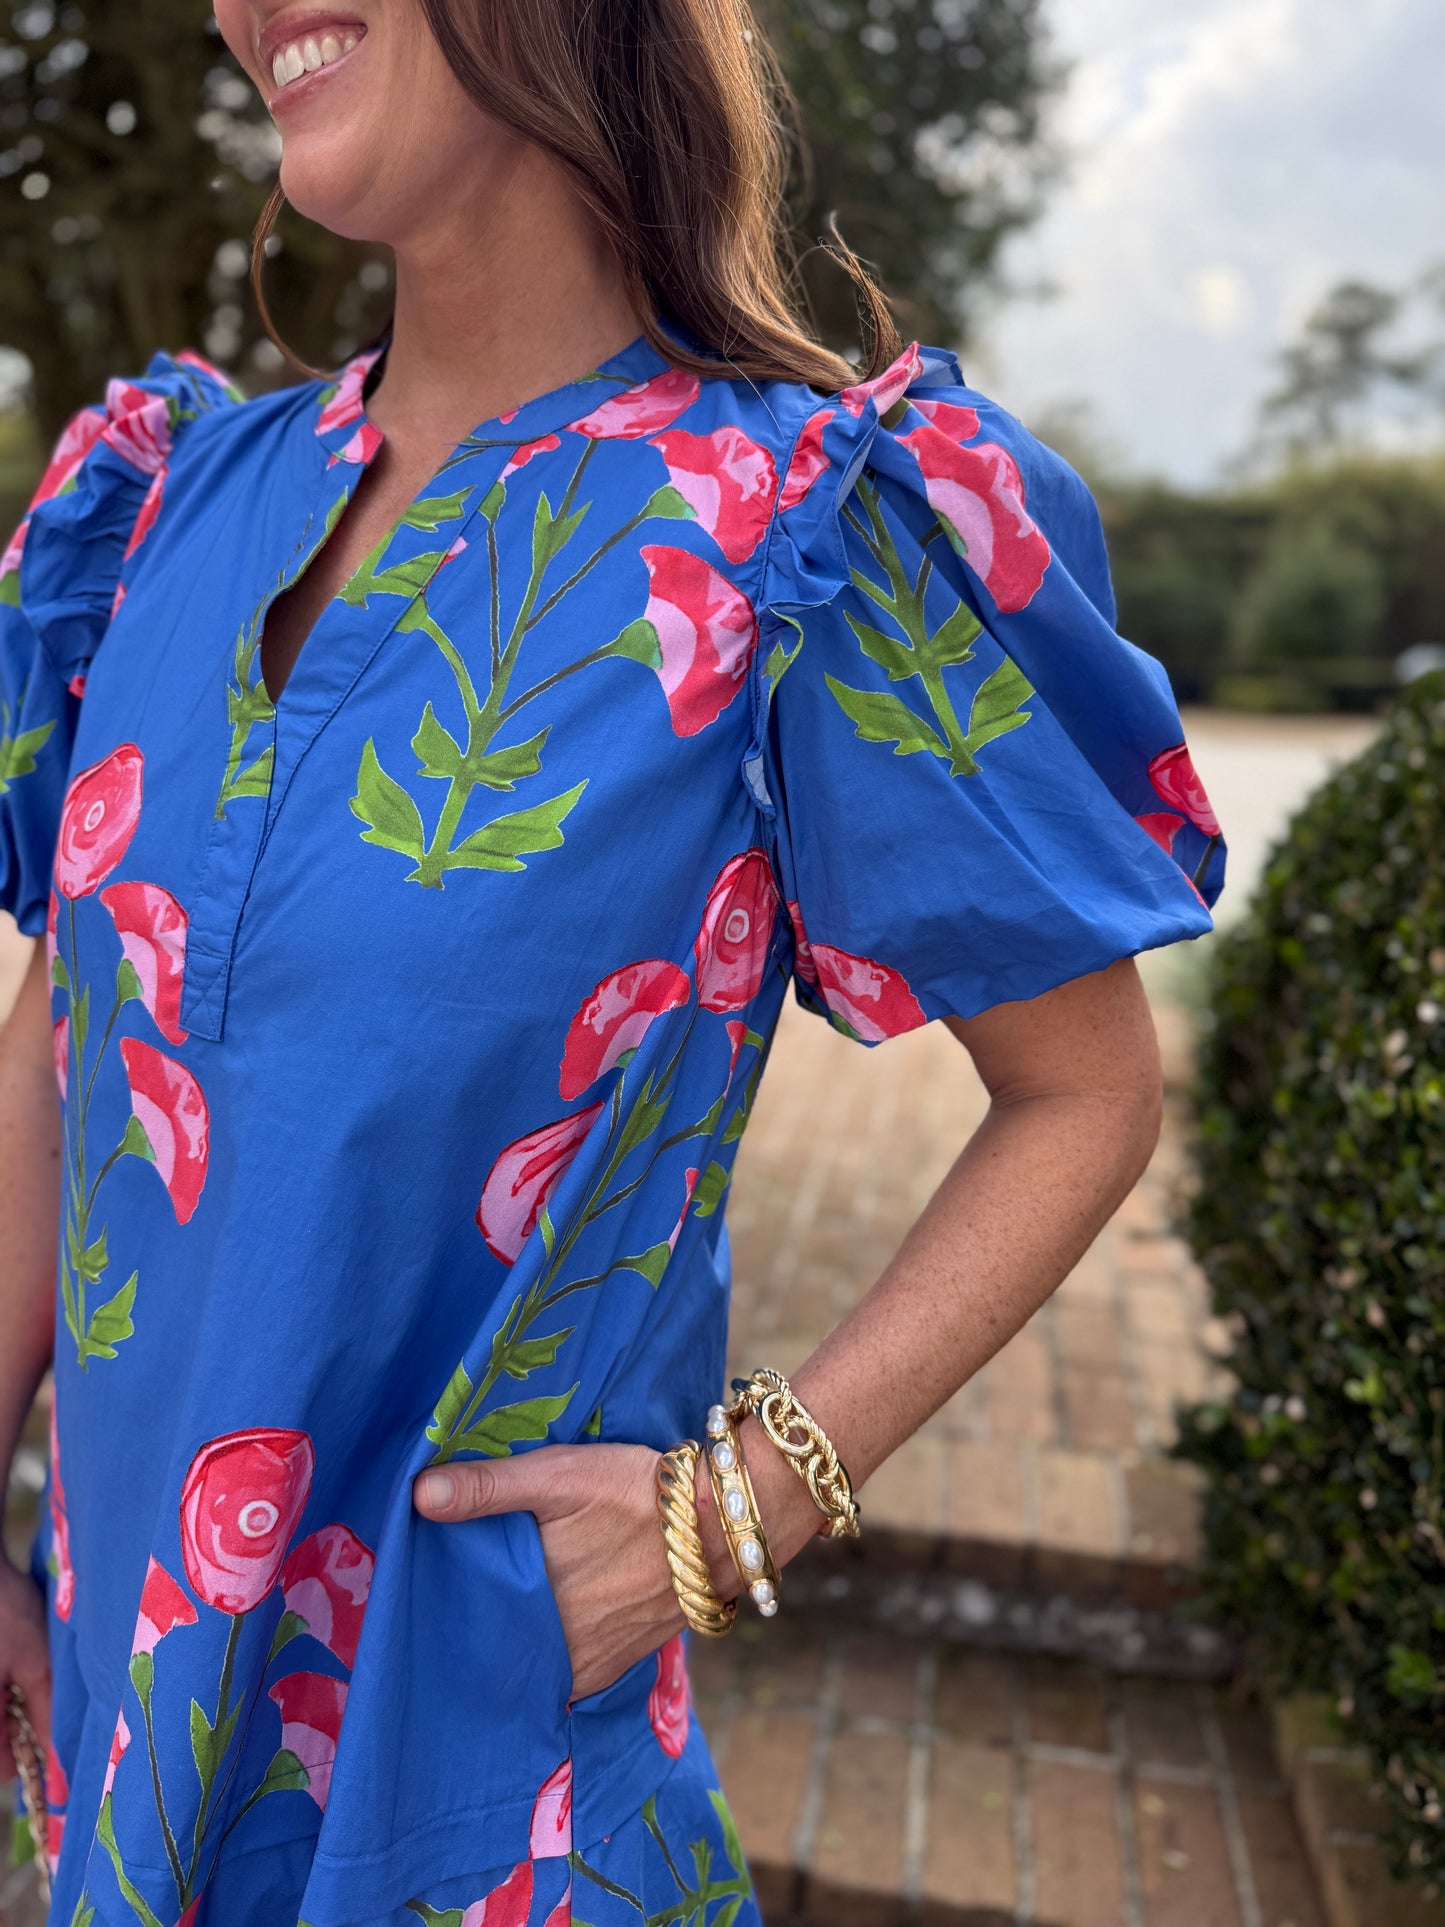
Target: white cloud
(1232, 159)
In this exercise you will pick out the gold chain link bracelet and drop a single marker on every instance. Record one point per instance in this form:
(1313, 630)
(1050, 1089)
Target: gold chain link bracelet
(701, 1605)
(803, 1443)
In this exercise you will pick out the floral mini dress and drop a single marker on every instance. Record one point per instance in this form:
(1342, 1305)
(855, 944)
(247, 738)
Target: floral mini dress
(406, 1028)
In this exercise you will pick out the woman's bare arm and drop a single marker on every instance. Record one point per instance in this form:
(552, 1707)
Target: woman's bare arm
(29, 1215)
(1073, 1079)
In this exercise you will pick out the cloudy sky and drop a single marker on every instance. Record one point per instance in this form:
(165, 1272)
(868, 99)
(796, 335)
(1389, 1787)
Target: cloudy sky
(1231, 160)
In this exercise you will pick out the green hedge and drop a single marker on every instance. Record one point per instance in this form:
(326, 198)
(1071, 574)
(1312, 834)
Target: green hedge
(1320, 1221)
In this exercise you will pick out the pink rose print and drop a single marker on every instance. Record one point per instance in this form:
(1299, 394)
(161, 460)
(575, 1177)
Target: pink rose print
(150, 508)
(803, 965)
(706, 631)
(325, 1581)
(60, 1044)
(809, 461)
(64, 1595)
(138, 426)
(188, 1918)
(170, 1107)
(641, 410)
(188, 358)
(978, 496)
(887, 388)
(669, 1702)
(52, 942)
(152, 929)
(726, 480)
(524, 1176)
(737, 930)
(561, 1914)
(507, 1905)
(1174, 776)
(97, 822)
(240, 1502)
(80, 436)
(361, 447)
(552, 1815)
(346, 405)
(120, 1740)
(163, 1607)
(873, 1001)
(959, 424)
(737, 1037)
(57, 1793)
(616, 1017)
(689, 1184)
(311, 1706)
(525, 451)
(1162, 827)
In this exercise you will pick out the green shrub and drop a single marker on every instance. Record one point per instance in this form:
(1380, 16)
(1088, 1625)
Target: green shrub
(1320, 1221)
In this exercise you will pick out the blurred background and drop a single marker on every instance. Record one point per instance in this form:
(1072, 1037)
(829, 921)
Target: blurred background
(1198, 248)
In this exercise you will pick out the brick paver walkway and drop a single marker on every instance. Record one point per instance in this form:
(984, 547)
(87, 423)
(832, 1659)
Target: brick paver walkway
(1047, 1466)
(878, 1781)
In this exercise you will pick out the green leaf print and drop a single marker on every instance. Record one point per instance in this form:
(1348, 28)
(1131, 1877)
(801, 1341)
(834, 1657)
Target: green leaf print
(285, 1774)
(522, 1355)
(497, 1431)
(918, 651)
(127, 983)
(105, 1833)
(10, 589)
(451, 1405)
(22, 1844)
(18, 753)
(638, 642)
(392, 820)
(501, 844)
(650, 1264)
(135, 1143)
(435, 1917)
(710, 1187)
(998, 705)
(438, 752)
(84, 1912)
(880, 718)
(433, 510)
(288, 1627)
(668, 503)
(503, 769)
(781, 659)
(111, 1322)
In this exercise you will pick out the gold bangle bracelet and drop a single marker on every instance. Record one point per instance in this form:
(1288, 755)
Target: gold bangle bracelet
(702, 1608)
(790, 1427)
(737, 1508)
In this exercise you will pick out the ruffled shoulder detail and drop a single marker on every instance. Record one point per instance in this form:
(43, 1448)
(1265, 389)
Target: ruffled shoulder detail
(97, 501)
(900, 485)
(937, 450)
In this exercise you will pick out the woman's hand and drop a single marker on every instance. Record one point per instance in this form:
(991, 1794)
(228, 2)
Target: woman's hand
(24, 1658)
(596, 1506)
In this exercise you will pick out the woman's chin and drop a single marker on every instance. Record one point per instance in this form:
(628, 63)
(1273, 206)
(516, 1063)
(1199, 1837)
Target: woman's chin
(326, 185)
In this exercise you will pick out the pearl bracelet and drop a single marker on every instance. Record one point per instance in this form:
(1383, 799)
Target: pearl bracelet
(737, 1508)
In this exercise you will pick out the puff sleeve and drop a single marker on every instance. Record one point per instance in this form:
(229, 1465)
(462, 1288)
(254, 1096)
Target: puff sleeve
(976, 789)
(62, 577)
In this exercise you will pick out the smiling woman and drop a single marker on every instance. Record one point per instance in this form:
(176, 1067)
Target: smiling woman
(428, 782)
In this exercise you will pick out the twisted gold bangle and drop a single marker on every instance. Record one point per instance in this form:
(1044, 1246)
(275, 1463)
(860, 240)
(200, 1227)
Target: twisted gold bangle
(701, 1606)
(803, 1443)
(737, 1507)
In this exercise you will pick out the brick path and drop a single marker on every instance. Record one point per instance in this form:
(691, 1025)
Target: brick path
(1047, 1466)
(878, 1781)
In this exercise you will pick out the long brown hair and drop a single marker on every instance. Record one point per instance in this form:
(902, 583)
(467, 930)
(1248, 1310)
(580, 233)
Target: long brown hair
(674, 122)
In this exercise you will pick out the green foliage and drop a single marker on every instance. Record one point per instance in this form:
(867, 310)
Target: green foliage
(1309, 585)
(1320, 1221)
(922, 123)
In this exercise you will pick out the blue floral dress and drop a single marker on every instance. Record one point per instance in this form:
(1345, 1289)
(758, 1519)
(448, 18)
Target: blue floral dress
(406, 1028)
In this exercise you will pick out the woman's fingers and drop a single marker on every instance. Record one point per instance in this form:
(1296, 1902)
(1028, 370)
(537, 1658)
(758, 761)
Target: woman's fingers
(541, 1482)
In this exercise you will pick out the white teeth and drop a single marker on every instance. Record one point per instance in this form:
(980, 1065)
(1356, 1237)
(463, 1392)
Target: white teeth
(309, 55)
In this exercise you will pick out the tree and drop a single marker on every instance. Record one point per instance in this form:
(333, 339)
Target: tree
(1361, 347)
(923, 131)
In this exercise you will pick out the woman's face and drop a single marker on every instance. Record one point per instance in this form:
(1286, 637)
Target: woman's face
(378, 136)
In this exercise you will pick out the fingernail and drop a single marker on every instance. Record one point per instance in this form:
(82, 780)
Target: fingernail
(438, 1489)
